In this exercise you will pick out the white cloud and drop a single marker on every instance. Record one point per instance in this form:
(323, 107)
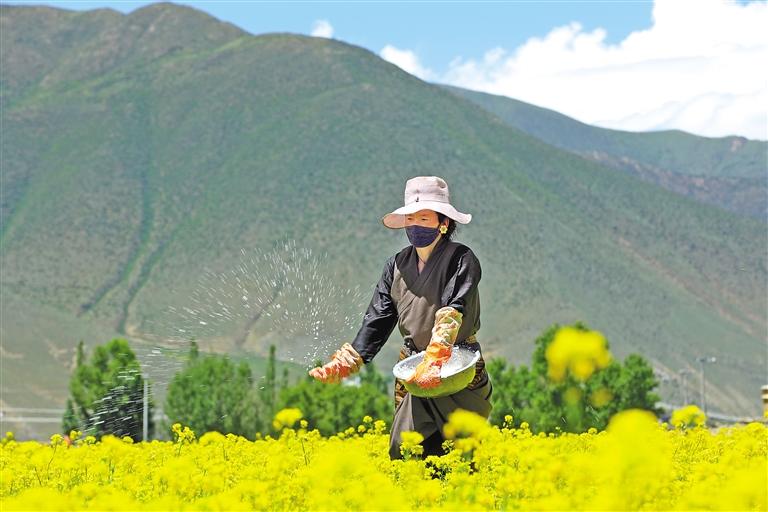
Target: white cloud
(322, 28)
(407, 61)
(699, 68)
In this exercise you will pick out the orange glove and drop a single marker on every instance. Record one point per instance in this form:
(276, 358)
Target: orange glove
(447, 324)
(345, 362)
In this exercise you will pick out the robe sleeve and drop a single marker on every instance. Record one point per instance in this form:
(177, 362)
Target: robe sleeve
(380, 318)
(461, 291)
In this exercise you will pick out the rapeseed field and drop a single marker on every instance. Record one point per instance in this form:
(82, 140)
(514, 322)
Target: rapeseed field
(635, 464)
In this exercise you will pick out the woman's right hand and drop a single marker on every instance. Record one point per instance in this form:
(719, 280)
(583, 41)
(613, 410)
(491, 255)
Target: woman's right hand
(345, 362)
(327, 373)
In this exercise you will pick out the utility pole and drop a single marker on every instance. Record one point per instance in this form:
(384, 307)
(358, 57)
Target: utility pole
(702, 361)
(145, 422)
(684, 373)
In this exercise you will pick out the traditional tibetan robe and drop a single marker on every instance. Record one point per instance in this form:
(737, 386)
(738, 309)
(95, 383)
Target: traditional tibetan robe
(409, 299)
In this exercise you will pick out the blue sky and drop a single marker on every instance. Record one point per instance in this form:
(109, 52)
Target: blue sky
(438, 31)
(696, 65)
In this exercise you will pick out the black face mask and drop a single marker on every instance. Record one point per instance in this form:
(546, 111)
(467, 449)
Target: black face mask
(419, 236)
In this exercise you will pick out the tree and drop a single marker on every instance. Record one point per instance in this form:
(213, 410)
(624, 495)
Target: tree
(511, 391)
(635, 383)
(107, 393)
(267, 389)
(371, 375)
(573, 405)
(211, 394)
(284, 379)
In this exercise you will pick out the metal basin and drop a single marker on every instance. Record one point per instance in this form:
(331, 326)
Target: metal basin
(455, 374)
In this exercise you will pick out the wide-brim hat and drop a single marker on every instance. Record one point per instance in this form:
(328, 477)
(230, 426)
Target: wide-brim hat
(425, 193)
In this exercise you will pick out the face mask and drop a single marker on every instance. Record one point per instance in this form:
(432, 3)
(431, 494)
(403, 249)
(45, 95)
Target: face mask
(419, 236)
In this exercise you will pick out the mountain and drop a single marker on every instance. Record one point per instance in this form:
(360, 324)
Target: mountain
(167, 176)
(729, 172)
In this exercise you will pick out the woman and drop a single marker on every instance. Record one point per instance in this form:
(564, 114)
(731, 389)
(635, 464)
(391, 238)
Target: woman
(429, 290)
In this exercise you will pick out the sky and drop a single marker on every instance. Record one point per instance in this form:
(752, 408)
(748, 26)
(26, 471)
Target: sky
(636, 65)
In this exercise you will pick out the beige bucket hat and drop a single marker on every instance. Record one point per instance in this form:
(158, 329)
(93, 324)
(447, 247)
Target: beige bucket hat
(425, 193)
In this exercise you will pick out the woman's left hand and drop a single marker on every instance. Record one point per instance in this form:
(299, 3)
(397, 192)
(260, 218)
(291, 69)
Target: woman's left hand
(427, 373)
(444, 332)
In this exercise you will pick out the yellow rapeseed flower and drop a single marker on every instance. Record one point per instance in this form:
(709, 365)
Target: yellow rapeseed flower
(286, 418)
(601, 397)
(689, 416)
(463, 423)
(212, 438)
(572, 395)
(580, 352)
(411, 444)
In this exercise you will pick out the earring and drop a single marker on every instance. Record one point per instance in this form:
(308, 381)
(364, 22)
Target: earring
(443, 229)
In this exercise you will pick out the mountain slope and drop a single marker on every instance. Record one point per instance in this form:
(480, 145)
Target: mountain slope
(162, 179)
(729, 172)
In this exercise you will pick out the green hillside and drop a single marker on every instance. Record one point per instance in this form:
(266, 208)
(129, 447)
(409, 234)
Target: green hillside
(166, 175)
(728, 172)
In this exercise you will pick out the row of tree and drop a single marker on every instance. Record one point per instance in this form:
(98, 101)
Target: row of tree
(213, 394)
